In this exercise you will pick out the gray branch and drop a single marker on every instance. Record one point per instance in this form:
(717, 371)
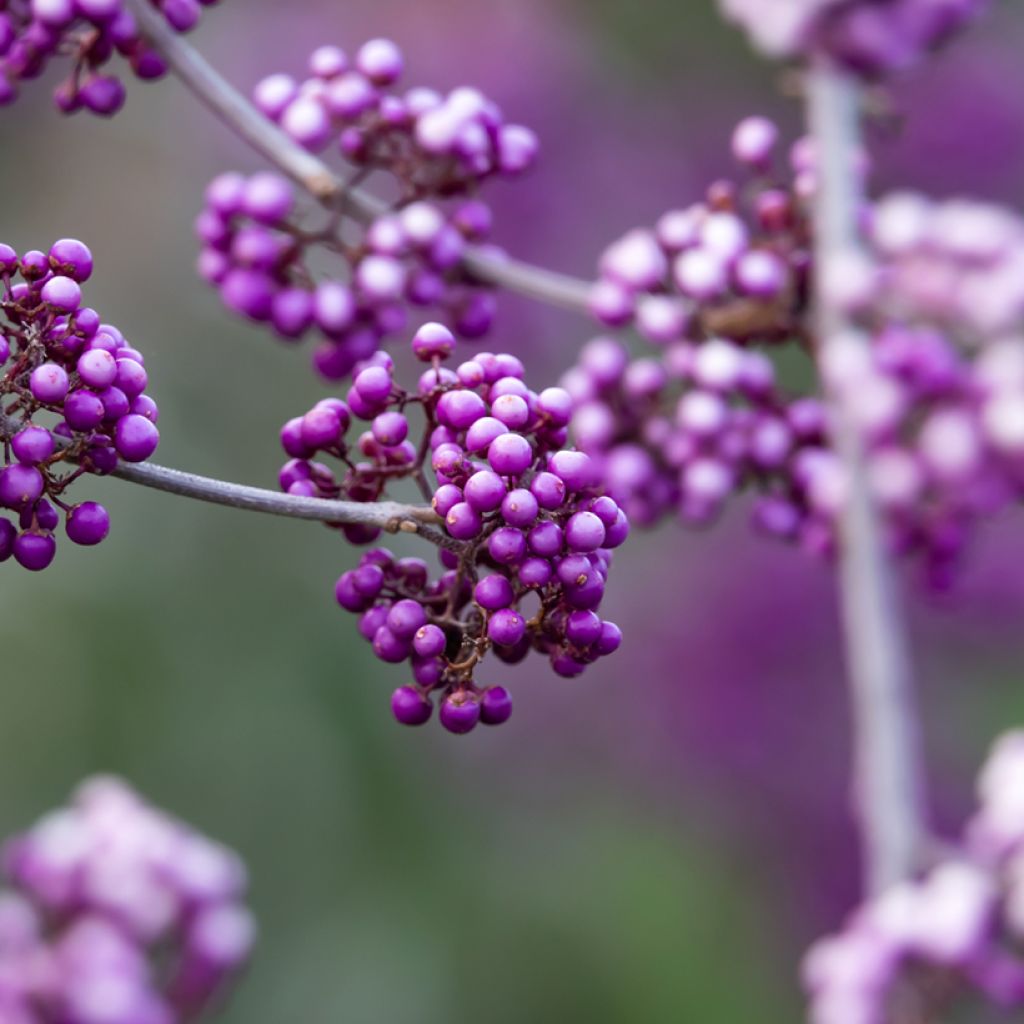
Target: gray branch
(888, 784)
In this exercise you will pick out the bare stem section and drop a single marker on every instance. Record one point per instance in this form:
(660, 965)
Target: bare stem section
(888, 787)
(307, 170)
(388, 515)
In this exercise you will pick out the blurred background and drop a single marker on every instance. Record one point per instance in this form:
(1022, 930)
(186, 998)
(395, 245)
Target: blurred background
(655, 841)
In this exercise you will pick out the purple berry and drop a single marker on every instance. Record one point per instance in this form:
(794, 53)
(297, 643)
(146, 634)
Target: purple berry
(136, 438)
(460, 713)
(410, 707)
(88, 523)
(495, 706)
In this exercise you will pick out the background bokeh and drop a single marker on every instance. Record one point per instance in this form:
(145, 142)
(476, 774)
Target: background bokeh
(653, 842)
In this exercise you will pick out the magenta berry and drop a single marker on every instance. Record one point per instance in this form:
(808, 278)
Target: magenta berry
(495, 706)
(410, 707)
(460, 713)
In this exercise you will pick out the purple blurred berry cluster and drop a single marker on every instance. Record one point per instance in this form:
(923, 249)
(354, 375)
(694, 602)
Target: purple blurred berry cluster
(72, 401)
(89, 33)
(939, 395)
(260, 252)
(869, 37)
(954, 930)
(722, 286)
(118, 914)
(956, 264)
(433, 144)
(527, 536)
(683, 430)
(736, 264)
(702, 417)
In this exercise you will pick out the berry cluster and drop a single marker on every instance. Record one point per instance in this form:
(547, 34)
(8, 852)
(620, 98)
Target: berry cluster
(944, 436)
(870, 37)
(260, 256)
(735, 264)
(90, 32)
(684, 430)
(260, 252)
(72, 401)
(952, 930)
(434, 145)
(957, 264)
(938, 393)
(118, 913)
(527, 533)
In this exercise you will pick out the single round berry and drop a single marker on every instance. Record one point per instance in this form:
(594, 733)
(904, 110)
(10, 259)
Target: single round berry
(510, 454)
(72, 258)
(506, 627)
(429, 641)
(495, 706)
(460, 713)
(410, 707)
(433, 341)
(33, 445)
(406, 618)
(97, 368)
(88, 523)
(136, 438)
(49, 383)
(34, 550)
(62, 293)
(20, 485)
(493, 592)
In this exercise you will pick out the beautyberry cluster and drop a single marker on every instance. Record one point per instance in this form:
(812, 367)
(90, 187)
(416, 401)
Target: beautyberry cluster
(736, 264)
(870, 37)
(260, 252)
(527, 535)
(118, 914)
(684, 429)
(90, 33)
(72, 401)
(297, 271)
(433, 144)
(703, 417)
(956, 264)
(938, 392)
(939, 395)
(955, 929)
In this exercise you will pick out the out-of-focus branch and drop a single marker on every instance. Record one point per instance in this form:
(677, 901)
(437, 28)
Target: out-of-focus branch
(888, 785)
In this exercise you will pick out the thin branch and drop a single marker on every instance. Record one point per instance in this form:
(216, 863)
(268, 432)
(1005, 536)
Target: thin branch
(309, 171)
(388, 515)
(392, 516)
(888, 784)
